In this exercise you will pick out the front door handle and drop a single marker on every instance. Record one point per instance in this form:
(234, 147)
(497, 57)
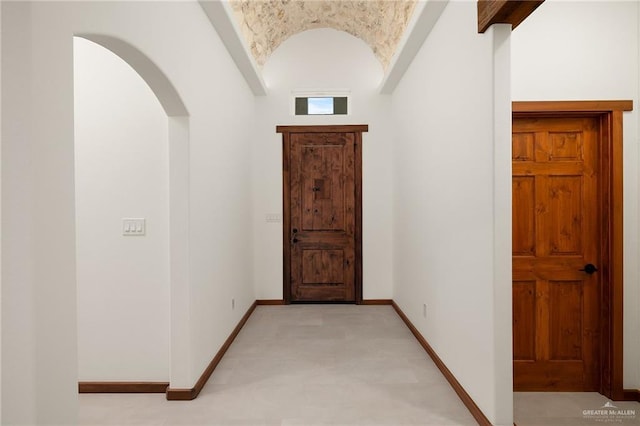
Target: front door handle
(589, 268)
(293, 236)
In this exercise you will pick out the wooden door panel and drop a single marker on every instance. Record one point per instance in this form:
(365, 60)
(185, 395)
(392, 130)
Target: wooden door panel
(324, 186)
(322, 197)
(322, 267)
(523, 146)
(565, 313)
(524, 317)
(541, 337)
(524, 243)
(555, 233)
(565, 146)
(320, 293)
(565, 215)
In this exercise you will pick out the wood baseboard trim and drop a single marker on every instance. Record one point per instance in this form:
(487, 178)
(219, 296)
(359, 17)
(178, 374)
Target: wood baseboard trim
(181, 394)
(457, 387)
(269, 302)
(122, 387)
(631, 395)
(377, 302)
(192, 393)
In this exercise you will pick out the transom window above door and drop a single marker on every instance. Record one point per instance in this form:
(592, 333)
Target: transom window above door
(320, 103)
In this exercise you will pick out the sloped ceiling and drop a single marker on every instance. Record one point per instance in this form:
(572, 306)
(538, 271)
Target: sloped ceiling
(265, 24)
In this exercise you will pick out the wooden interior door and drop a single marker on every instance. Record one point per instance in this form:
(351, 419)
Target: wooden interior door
(322, 213)
(556, 236)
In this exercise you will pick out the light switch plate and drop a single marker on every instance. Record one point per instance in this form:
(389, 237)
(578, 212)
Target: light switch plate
(274, 218)
(132, 226)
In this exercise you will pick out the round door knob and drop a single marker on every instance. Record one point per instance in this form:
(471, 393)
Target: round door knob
(589, 268)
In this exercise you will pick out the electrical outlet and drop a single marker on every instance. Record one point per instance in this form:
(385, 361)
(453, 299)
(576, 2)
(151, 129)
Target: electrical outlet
(424, 310)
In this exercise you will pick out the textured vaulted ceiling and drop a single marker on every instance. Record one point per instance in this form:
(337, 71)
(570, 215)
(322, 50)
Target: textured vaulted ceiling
(265, 24)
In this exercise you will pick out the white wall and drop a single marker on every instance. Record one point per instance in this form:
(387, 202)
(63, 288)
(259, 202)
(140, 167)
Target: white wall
(452, 203)
(588, 50)
(0, 212)
(38, 254)
(38, 237)
(121, 170)
(323, 59)
(18, 310)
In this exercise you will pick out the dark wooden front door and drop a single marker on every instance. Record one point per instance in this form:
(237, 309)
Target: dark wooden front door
(556, 237)
(322, 205)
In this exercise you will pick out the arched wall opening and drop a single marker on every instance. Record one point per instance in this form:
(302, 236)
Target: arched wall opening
(132, 161)
(39, 292)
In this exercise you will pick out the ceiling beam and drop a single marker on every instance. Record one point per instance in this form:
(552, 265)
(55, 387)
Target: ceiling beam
(504, 12)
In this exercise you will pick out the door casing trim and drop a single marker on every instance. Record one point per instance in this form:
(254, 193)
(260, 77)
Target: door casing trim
(286, 199)
(609, 114)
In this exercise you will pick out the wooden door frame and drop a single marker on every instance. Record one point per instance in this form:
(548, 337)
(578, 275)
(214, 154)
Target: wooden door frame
(286, 199)
(609, 114)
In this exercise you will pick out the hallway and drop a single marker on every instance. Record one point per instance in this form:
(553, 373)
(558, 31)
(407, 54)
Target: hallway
(308, 365)
(305, 365)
